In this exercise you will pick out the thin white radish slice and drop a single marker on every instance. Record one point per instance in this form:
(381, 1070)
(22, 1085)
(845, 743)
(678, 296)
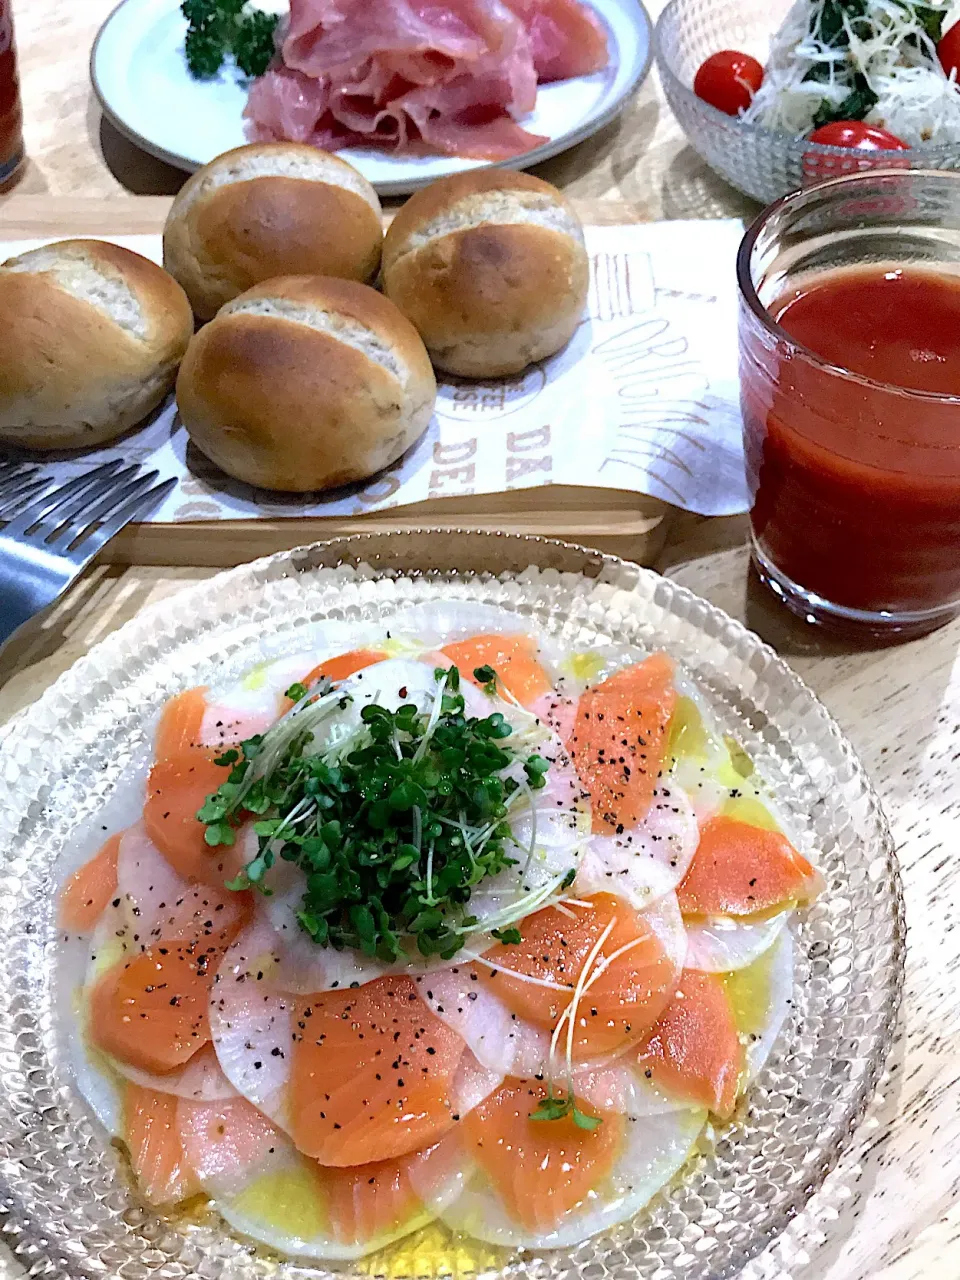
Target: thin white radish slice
(622, 1088)
(499, 1039)
(251, 1024)
(761, 1033)
(649, 861)
(199, 1080)
(722, 944)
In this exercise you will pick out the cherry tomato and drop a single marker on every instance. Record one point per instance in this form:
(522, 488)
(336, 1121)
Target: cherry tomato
(728, 81)
(854, 133)
(948, 51)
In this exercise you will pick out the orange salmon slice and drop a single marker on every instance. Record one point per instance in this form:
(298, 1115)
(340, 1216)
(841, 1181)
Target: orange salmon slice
(224, 1142)
(694, 1052)
(624, 1001)
(346, 664)
(739, 870)
(151, 1011)
(150, 1131)
(512, 657)
(371, 1075)
(179, 783)
(541, 1169)
(85, 895)
(619, 740)
(369, 1200)
(180, 723)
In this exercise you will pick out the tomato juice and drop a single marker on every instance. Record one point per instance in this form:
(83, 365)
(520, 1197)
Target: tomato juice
(850, 390)
(11, 115)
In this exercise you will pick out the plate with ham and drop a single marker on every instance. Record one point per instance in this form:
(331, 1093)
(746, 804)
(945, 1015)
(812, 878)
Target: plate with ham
(406, 91)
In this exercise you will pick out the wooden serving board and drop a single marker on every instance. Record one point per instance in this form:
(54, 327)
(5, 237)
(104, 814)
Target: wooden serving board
(628, 524)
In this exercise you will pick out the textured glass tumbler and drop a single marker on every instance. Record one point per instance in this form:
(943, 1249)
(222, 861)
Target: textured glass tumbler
(855, 483)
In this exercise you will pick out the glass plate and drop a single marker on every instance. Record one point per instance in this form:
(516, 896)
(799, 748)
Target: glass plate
(66, 1205)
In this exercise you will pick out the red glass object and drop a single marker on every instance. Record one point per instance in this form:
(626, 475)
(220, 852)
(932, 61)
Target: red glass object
(11, 113)
(850, 389)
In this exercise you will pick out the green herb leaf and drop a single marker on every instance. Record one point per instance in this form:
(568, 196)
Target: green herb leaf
(931, 20)
(583, 1121)
(487, 677)
(859, 103)
(553, 1107)
(220, 28)
(510, 937)
(253, 46)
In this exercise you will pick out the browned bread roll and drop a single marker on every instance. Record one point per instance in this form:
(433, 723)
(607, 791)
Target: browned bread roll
(266, 210)
(305, 383)
(93, 336)
(491, 268)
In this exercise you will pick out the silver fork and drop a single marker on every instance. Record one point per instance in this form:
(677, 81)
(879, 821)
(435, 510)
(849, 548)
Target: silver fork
(49, 541)
(20, 481)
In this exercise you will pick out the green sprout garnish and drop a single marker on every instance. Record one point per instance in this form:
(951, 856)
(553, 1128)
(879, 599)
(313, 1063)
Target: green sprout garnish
(486, 677)
(556, 1107)
(393, 825)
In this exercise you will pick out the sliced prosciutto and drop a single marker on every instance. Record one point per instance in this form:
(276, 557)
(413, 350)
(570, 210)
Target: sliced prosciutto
(456, 77)
(566, 37)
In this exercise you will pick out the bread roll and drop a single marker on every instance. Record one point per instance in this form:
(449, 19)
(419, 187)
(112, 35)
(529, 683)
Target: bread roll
(491, 268)
(306, 383)
(267, 210)
(92, 337)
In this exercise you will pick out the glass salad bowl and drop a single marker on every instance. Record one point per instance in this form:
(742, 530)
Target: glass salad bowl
(66, 1205)
(759, 162)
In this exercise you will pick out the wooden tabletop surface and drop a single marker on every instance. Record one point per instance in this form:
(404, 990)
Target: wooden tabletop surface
(891, 1211)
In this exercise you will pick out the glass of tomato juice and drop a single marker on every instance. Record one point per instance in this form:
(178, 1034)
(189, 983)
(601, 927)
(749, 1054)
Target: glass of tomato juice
(850, 390)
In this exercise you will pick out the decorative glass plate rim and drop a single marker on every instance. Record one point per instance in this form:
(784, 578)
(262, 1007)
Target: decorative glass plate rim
(385, 552)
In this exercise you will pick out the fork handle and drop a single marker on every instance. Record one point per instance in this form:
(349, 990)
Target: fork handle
(35, 587)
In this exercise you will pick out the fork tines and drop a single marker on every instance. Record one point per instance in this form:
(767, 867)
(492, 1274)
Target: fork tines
(19, 482)
(99, 502)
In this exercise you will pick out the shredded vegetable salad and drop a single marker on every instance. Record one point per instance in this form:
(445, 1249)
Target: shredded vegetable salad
(870, 60)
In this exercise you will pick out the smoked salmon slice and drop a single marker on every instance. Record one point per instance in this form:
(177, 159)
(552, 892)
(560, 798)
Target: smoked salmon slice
(619, 741)
(150, 1010)
(184, 775)
(541, 1169)
(164, 1175)
(694, 1052)
(739, 870)
(86, 894)
(372, 1074)
(513, 658)
(616, 1009)
(346, 664)
(369, 1200)
(225, 1142)
(180, 724)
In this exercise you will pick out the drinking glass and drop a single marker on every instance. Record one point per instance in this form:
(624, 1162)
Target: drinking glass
(855, 483)
(11, 114)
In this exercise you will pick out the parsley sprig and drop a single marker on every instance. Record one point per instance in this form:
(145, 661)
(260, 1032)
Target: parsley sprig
(393, 826)
(219, 28)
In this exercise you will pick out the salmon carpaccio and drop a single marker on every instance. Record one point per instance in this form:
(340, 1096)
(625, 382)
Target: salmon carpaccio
(534, 1087)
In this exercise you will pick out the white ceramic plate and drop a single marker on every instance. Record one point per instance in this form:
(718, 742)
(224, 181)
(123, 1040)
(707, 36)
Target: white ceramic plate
(140, 75)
